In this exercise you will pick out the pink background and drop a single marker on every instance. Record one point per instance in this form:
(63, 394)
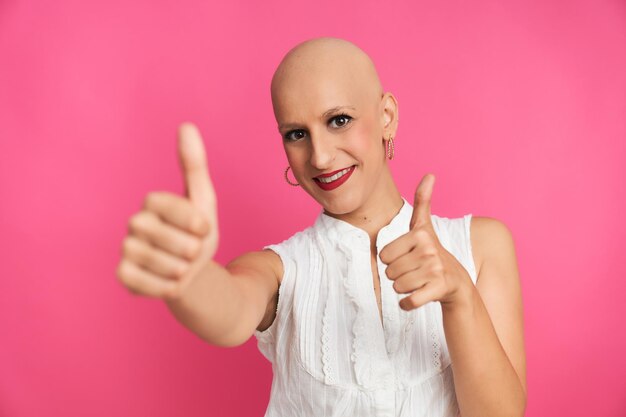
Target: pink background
(518, 107)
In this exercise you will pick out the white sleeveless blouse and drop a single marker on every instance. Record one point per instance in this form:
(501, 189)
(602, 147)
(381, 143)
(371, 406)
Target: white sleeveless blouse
(330, 354)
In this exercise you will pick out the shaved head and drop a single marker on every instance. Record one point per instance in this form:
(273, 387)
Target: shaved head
(334, 117)
(325, 66)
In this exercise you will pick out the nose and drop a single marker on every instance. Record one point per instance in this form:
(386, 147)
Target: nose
(322, 151)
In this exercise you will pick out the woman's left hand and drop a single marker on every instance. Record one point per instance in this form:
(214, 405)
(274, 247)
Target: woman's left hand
(419, 264)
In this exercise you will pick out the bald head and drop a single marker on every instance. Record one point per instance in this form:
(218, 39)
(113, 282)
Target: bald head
(323, 72)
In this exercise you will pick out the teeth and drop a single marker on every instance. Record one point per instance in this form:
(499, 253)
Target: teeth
(334, 177)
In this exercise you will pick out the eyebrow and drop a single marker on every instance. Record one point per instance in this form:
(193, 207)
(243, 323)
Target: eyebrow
(323, 116)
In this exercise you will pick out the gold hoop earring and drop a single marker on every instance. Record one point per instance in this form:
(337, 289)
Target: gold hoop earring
(287, 178)
(390, 147)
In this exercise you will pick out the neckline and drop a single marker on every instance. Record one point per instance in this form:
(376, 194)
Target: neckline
(342, 230)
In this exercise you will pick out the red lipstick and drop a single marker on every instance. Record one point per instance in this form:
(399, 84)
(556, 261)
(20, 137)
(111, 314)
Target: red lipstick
(327, 186)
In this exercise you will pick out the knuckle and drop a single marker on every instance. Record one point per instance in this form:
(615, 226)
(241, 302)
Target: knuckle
(415, 256)
(125, 273)
(128, 246)
(431, 250)
(122, 270)
(193, 248)
(437, 267)
(133, 284)
(170, 292)
(180, 270)
(198, 223)
(386, 256)
(132, 222)
(151, 199)
(135, 223)
(389, 272)
(135, 249)
(408, 303)
(428, 250)
(149, 259)
(421, 233)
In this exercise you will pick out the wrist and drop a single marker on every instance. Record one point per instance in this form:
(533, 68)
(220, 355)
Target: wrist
(463, 298)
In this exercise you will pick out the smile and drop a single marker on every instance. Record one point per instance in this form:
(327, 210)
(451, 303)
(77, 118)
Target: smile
(334, 179)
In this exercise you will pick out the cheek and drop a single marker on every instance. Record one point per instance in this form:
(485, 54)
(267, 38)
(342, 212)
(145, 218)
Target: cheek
(295, 156)
(364, 143)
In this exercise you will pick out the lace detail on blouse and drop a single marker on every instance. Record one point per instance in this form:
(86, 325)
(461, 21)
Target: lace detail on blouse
(327, 368)
(330, 354)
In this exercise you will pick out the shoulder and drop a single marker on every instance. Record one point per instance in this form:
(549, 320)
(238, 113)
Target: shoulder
(293, 245)
(277, 256)
(492, 241)
(263, 260)
(262, 264)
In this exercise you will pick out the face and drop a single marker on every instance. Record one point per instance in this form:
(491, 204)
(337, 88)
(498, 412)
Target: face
(333, 127)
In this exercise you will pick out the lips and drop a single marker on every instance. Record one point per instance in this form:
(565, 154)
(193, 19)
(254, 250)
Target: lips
(341, 175)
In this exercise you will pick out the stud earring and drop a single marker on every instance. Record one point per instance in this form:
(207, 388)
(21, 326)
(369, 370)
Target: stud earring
(390, 148)
(287, 178)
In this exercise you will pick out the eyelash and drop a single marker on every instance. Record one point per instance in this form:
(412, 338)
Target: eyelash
(345, 116)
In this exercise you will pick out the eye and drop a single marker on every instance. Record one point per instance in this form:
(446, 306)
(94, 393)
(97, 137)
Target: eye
(288, 136)
(343, 118)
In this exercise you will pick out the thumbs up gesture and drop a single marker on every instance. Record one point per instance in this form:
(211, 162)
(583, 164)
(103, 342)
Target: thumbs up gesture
(173, 236)
(418, 263)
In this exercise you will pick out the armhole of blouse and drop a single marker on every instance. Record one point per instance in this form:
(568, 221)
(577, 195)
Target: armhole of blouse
(267, 335)
(468, 244)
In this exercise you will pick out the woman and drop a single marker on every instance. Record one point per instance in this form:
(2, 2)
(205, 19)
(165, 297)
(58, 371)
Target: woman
(441, 332)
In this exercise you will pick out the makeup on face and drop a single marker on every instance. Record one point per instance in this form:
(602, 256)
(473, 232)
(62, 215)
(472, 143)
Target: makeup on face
(334, 179)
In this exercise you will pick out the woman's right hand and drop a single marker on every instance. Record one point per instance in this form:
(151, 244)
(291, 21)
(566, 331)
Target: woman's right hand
(173, 237)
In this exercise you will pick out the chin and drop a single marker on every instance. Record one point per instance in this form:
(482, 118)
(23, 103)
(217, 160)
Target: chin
(347, 198)
(340, 204)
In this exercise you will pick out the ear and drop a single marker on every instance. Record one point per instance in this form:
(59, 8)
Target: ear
(389, 113)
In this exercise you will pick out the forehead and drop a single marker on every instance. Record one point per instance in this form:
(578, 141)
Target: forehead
(309, 92)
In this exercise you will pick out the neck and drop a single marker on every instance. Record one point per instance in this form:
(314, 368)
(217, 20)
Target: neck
(382, 205)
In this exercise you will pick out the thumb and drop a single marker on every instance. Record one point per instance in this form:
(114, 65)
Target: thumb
(193, 160)
(421, 205)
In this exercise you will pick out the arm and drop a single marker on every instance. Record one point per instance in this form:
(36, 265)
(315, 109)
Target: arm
(168, 254)
(483, 322)
(224, 305)
(485, 332)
